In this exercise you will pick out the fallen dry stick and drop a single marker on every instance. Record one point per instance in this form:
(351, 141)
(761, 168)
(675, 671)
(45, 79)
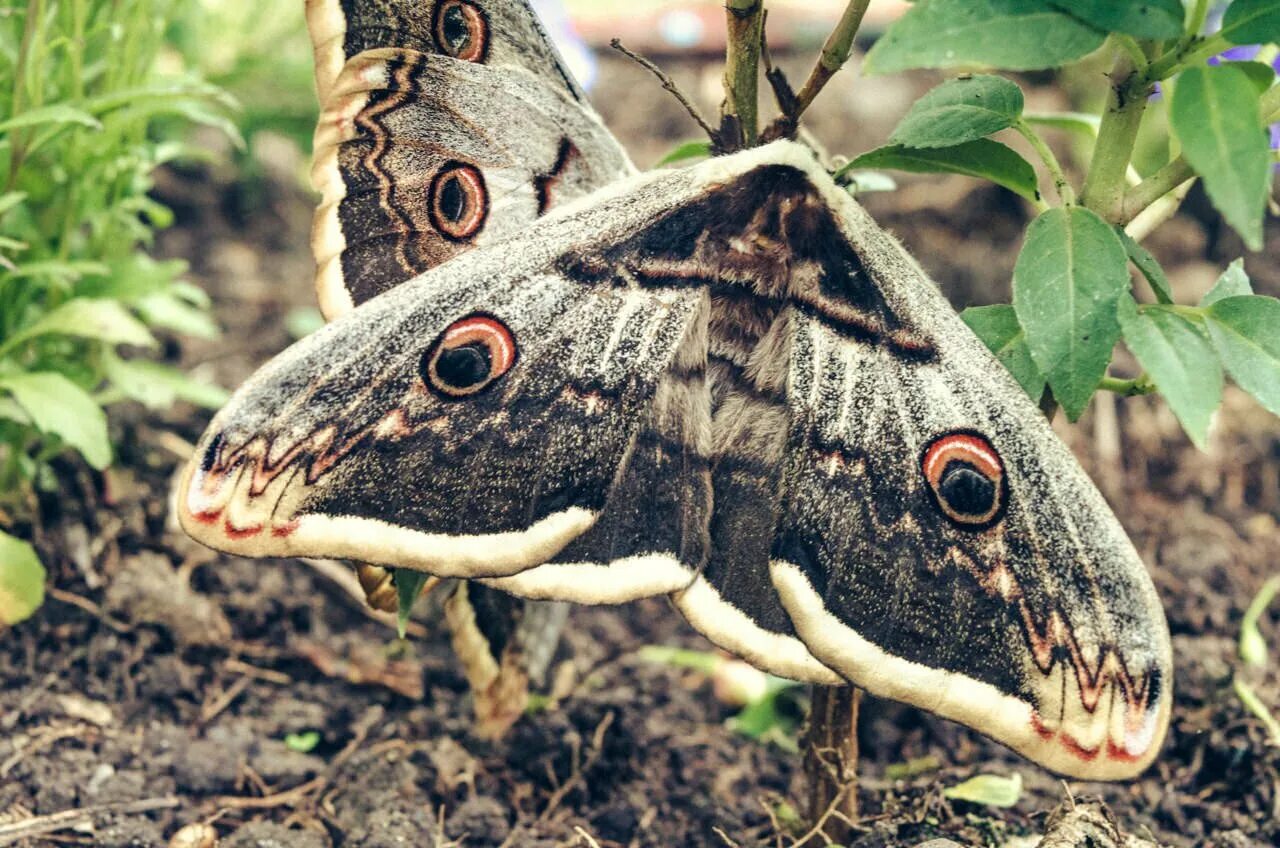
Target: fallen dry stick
(11, 833)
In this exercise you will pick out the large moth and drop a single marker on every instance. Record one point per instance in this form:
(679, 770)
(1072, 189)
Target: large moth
(725, 383)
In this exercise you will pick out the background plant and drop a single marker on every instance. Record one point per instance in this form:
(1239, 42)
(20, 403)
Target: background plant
(85, 117)
(1074, 293)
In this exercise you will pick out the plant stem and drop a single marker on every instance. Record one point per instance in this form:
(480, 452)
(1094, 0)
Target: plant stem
(1153, 188)
(1192, 52)
(1196, 20)
(1104, 187)
(1130, 46)
(835, 52)
(742, 68)
(1148, 220)
(1140, 385)
(830, 751)
(1065, 192)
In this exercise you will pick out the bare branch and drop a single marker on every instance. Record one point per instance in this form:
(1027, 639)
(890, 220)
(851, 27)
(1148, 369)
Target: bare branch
(835, 53)
(669, 85)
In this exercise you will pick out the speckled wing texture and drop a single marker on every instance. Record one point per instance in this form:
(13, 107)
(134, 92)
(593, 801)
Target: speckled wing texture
(724, 383)
(446, 124)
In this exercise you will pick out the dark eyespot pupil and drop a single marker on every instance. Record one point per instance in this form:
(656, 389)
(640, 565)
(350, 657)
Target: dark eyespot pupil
(966, 490)
(465, 366)
(455, 30)
(452, 200)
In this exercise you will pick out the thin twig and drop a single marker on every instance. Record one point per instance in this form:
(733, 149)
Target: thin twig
(835, 53)
(579, 768)
(89, 607)
(832, 811)
(225, 698)
(668, 84)
(11, 833)
(586, 837)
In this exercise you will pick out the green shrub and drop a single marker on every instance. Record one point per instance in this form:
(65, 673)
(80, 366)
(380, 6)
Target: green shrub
(85, 117)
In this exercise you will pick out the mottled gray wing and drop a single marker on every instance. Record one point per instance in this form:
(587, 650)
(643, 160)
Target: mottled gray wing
(478, 419)
(498, 33)
(939, 544)
(445, 125)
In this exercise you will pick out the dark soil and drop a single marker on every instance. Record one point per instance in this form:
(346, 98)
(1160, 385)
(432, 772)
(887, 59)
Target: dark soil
(159, 670)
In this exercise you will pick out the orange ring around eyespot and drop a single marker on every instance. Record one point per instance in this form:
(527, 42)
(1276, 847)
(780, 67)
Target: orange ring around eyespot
(491, 331)
(482, 328)
(974, 450)
(477, 49)
(475, 198)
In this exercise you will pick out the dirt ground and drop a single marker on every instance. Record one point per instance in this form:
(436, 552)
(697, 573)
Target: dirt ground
(160, 681)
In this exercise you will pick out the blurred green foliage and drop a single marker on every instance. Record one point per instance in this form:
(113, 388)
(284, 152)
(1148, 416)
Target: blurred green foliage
(90, 104)
(260, 54)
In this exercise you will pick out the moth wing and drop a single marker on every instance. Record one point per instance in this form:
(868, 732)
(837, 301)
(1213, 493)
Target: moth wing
(939, 544)
(423, 152)
(499, 33)
(592, 419)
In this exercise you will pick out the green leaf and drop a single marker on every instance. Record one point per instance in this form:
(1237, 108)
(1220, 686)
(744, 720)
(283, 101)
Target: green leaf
(1216, 116)
(1076, 122)
(60, 408)
(1253, 648)
(21, 580)
(173, 313)
(69, 271)
(408, 587)
(57, 113)
(1147, 264)
(302, 743)
(999, 330)
(764, 720)
(1246, 332)
(1020, 35)
(991, 790)
(984, 159)
(1070, 273)
(1252, 22)
(1180, 361)
(685, 151)
(133, 278)
(87, 318)
(1262, 75)
(960, 110)
(10, 200)
(1234, 282)
(157, 386)
(1158, 20)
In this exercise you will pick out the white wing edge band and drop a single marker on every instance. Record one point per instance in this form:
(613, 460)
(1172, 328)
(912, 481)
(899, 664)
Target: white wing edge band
(979, 705)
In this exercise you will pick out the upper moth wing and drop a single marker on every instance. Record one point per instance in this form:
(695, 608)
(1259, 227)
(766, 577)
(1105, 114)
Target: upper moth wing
(502, 33)
(420, 157)
(446, 124)
(938, 543)
(476, 420)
